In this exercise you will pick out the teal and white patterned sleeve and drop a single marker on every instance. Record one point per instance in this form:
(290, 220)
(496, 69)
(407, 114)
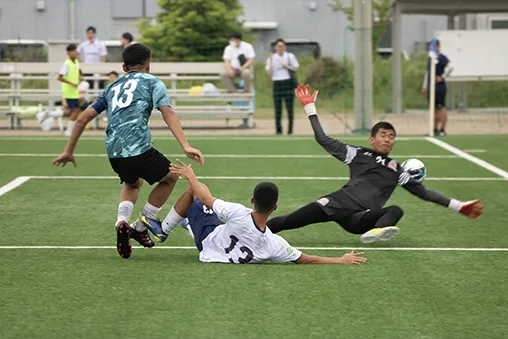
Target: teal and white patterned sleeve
(160, 94)
(101, 103)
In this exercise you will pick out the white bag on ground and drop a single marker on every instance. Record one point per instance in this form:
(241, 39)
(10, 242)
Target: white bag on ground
(210, 88)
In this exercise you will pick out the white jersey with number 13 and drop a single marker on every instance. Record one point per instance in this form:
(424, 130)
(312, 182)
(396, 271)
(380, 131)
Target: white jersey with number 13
(240, 241)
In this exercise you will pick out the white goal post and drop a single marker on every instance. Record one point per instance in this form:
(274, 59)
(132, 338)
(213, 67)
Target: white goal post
(432, 92)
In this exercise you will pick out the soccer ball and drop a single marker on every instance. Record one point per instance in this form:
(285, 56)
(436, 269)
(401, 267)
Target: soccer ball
(415, 168)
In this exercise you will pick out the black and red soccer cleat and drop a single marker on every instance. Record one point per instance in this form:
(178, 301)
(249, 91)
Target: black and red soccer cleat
(142, 237)
(123, 245)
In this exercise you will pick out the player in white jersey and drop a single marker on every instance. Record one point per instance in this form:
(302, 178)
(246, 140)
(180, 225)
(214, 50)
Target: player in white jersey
(243, 238)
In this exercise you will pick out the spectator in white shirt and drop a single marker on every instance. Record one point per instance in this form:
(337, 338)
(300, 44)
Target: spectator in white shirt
(126, 40)
(282, 66)
(243, 238)
(92, 51)
(238, 58)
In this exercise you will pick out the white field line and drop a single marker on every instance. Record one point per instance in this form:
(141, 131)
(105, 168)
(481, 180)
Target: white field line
(13, 184)
(219, 138)
(475, 150)
(473, 159)
(459, 249)
(236, 156)
(261, 178)
(21, 180)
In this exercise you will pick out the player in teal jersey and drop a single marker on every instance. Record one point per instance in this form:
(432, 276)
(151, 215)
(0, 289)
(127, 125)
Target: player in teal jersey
(129, 102)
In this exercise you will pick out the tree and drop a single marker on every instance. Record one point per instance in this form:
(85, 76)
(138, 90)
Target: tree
(381, 17)
(191, 30)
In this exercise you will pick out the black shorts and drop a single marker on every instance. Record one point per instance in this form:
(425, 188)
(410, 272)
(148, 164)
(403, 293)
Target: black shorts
(151, 166)
(72, 103)
(337, 204)
(440, 99)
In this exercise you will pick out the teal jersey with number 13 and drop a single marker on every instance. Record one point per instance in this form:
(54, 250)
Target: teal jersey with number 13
(129, 102)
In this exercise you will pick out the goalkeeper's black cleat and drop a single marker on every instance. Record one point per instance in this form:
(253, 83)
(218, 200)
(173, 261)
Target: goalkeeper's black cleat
(123, 245)
(142, 237)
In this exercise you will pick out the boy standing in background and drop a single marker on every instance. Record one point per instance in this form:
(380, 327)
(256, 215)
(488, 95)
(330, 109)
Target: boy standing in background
(70, 77)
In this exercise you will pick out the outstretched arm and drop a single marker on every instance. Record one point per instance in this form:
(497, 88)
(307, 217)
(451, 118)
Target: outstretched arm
(334, 147)
(472, 209)
(349, 258)
(68, 153)
(284, 252)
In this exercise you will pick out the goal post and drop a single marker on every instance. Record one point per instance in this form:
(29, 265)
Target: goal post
(432, 91)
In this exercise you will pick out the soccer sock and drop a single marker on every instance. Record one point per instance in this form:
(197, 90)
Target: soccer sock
(70, 125)
(172, 220)
(124, 211)
(306, 215)
(150, 211)
(391, 216)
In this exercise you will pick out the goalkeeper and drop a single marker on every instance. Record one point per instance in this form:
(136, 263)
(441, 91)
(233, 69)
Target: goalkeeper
(358, 205)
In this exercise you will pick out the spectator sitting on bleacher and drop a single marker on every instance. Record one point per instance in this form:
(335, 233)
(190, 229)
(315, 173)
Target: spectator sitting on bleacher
(238, 57)
(84, 97)
(126, 40)
(113, 76)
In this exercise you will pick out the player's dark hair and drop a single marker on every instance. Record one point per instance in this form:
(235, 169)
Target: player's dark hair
(235, 35)
(136, 55)
(383, 125)
(127, 36)
(71, 47)
(113, 73)
(266, 195)
(91, 28)
(280, 40)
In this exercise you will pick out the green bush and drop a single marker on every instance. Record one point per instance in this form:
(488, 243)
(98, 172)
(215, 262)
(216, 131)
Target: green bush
(330, 75)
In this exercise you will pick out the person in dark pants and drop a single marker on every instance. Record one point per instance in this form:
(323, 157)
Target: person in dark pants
(280, 66)
(443, 69)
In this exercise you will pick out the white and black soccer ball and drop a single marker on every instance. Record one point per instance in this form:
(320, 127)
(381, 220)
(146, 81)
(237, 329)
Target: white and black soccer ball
(415, 168)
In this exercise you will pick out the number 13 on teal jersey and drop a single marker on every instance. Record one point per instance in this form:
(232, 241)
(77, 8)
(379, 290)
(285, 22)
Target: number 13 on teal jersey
(123, 94)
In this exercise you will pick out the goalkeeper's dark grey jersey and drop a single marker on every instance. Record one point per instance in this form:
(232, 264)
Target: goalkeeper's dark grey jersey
(373, 177)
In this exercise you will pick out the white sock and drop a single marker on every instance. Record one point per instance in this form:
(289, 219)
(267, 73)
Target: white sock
(70, 125)
(56, 114)
(124, 211)
(172, 220)
(150, 210)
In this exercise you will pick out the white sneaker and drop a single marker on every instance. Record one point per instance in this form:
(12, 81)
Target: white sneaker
(42, 116)
(383, 234)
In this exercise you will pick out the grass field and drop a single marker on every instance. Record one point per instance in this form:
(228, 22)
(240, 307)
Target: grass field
(444, 277)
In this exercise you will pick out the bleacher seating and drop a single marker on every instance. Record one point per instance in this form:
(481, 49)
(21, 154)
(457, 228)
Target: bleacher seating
(203, 106)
